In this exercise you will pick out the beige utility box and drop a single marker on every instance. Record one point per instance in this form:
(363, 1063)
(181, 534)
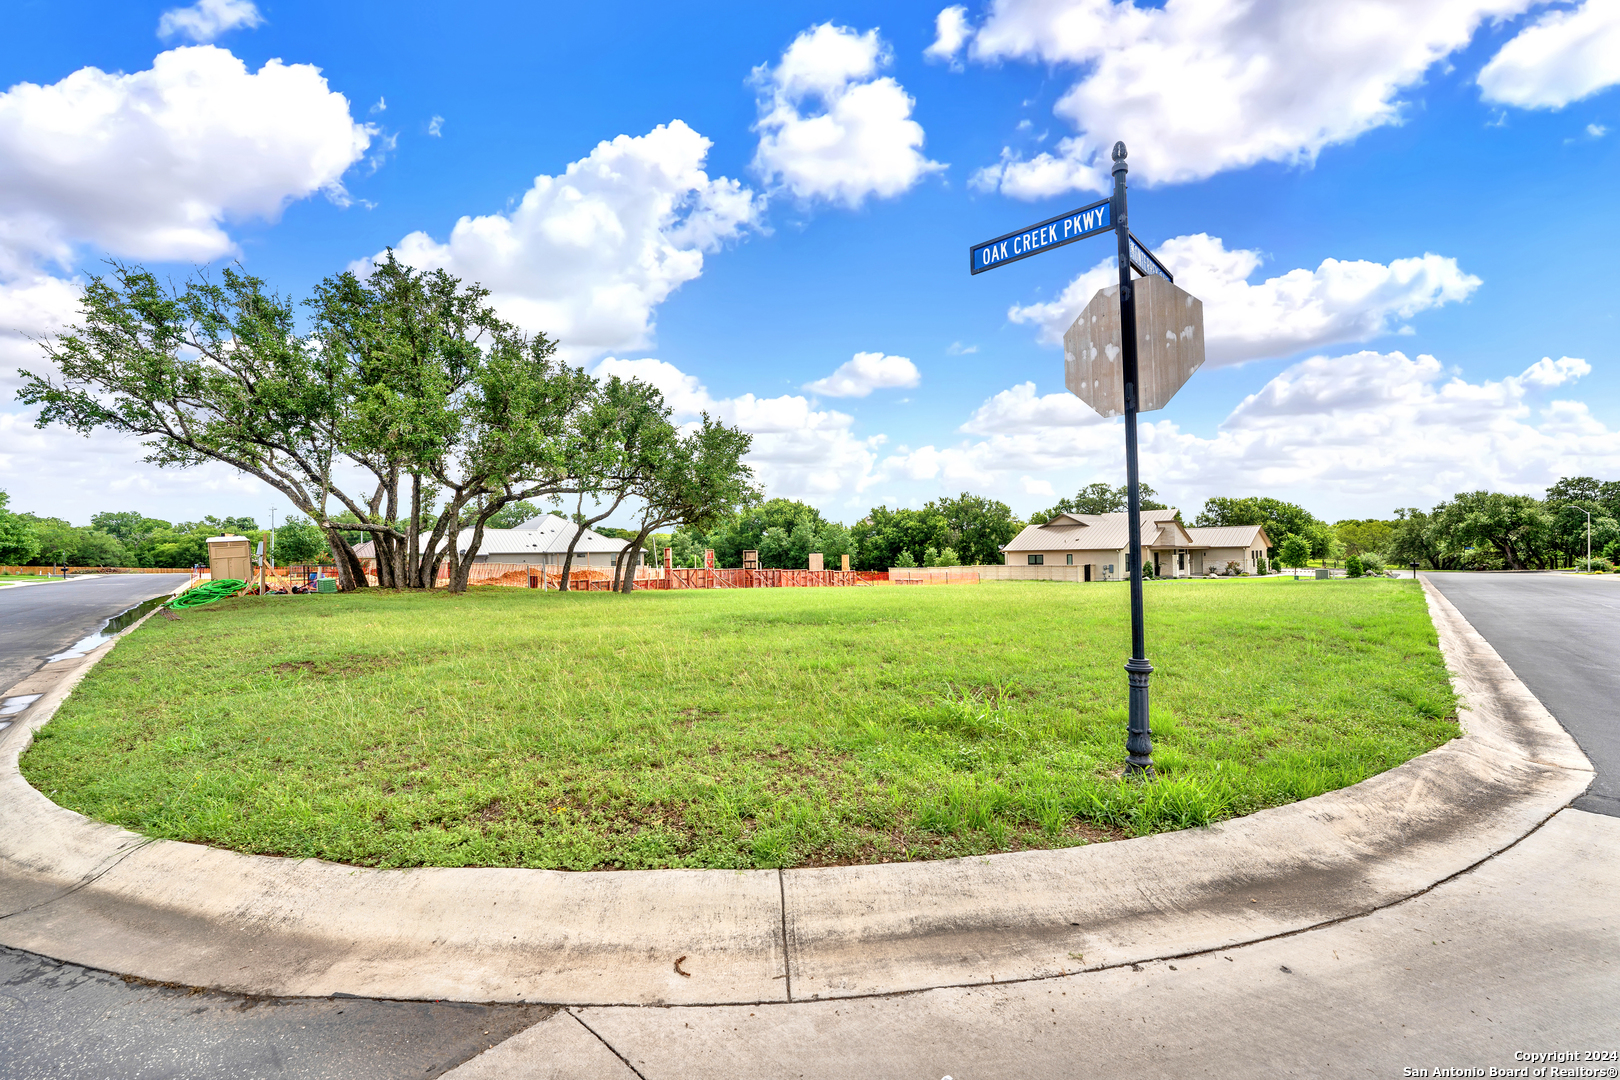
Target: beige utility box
(230, 557)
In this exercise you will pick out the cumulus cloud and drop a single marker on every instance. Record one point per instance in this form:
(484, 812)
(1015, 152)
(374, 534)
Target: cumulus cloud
(588, 255)
(951, 31)
(152, 164)
(208, 19)
(1339, 301)
(868, 371)
(1202, 86)
(830, 127)
(1565, 55)
(1361, 433)
(435, 127)
(799, 451)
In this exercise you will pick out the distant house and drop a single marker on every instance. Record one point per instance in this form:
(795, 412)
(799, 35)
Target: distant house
(1222, 545)
(1097, 545)
(543, 541)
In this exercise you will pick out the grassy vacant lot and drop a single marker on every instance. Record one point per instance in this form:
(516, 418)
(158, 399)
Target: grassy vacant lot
(772, 727)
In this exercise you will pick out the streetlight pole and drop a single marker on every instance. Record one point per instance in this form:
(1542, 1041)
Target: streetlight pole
(1588, 514)
(1139, 735)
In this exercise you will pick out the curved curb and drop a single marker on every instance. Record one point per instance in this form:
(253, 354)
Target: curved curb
(97, 895)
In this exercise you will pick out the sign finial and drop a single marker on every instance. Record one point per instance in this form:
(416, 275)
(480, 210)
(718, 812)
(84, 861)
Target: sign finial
(1119, 151)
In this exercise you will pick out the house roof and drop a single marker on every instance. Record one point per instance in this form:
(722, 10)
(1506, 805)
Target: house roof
(545, 535)
(1101, 532)
(1229, 536)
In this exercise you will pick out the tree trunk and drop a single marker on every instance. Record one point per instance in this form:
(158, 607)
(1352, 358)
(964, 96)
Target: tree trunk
(579, 531)
(351, 575)
(413, 533)
(630, 551)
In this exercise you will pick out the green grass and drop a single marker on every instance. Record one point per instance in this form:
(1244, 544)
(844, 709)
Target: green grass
(759, 728)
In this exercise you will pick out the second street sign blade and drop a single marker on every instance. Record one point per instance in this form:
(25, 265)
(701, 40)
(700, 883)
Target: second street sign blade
(1043, 236)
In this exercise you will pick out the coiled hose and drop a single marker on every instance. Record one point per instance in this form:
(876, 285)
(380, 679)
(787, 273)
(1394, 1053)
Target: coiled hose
(207, 593)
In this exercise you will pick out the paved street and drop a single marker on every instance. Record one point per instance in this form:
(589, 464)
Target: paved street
(39, 620)
(1558, 633)
(63, 1021)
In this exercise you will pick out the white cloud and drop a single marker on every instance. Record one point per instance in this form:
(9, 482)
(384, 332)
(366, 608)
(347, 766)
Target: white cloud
(207, 19)
(1201, 86)
(830, 128)
(1033, 486)
(1350, 435)
(435, 127)
(57, 473)
(588, 255)
(151, 165)
(799, 452)
(1339, 301)
(956, 348)
(868, 371)
(1562, 57)
(951, 31)
(1597, 131)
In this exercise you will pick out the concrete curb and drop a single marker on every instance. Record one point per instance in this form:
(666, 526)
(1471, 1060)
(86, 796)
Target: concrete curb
(103, 897)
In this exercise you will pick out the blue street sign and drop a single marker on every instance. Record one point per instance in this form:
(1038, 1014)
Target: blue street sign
(1065, 229)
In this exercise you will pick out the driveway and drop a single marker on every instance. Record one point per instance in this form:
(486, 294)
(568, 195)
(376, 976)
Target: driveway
(37, 621)
(1558, 633)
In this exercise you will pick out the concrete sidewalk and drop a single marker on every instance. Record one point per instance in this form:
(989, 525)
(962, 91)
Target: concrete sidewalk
(1519, 955)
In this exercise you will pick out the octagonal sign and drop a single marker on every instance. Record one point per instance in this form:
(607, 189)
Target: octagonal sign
(1169, 346)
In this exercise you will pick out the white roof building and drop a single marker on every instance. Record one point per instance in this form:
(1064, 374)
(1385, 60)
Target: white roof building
(543, 541)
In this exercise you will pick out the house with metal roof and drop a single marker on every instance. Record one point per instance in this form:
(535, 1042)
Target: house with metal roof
(1095, 546)
(1223, 545)
(543, 541)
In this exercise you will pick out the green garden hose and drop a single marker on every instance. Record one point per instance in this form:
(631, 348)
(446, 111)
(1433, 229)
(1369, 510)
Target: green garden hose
(207, 593)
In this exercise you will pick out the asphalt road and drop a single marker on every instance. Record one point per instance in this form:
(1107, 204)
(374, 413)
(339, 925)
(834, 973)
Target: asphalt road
(1559, 634)
(37, 621)
(65, 1022)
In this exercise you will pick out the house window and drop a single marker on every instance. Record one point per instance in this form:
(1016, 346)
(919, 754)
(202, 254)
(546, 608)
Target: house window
(1036, 560)
(1181, 560)
(1070, 559)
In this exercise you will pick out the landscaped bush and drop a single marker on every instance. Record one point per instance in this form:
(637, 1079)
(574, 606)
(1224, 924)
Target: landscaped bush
(1352, 566)
(1595, 564)
(1372, 564)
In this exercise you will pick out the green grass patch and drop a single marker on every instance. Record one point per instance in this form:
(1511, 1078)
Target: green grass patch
(753, 728)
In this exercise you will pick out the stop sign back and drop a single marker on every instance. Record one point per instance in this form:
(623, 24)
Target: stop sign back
(1169, 346)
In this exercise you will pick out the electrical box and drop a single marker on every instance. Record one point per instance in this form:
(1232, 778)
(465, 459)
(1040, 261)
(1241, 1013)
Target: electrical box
(230, 557)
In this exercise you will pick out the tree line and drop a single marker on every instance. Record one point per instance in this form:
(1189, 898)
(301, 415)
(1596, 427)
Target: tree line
(967, 530)
(403, 411)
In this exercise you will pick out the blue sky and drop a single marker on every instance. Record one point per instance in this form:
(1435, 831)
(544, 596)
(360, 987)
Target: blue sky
(1393, 213)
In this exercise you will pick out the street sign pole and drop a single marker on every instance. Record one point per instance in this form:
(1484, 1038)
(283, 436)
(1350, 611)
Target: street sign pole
(1139, 736)
(1147, 374)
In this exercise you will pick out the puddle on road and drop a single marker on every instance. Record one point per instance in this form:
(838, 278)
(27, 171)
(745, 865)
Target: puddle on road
(122, 621)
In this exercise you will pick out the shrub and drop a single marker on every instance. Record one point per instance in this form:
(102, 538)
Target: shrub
(1352, 566)
(1233, 569)
(1596, 564)
(904, 560)
(1372, 564)
(1263, 566)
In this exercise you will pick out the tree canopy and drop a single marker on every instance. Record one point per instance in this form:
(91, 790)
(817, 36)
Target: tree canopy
(405, 379)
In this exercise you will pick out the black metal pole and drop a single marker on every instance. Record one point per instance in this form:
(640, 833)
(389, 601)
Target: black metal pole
(1139, 735)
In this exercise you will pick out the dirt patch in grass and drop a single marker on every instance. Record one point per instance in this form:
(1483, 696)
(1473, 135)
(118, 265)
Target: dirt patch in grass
(737, 728)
